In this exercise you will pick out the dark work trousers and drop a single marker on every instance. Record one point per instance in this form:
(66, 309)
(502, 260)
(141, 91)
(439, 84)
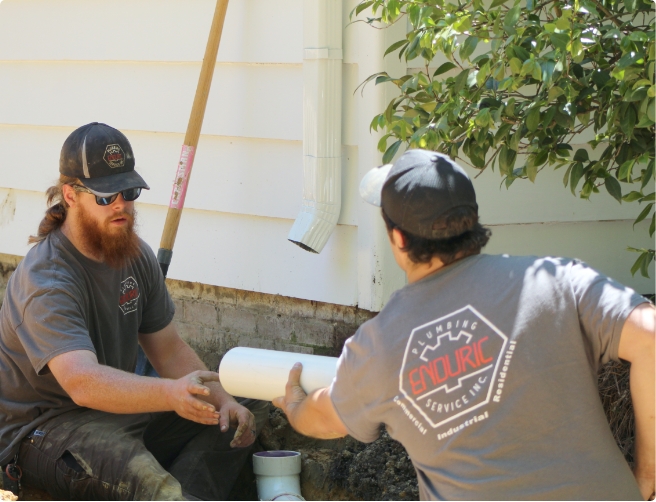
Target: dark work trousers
(92, 455)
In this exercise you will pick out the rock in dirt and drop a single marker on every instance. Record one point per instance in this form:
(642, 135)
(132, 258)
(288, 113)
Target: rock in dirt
(4, 495)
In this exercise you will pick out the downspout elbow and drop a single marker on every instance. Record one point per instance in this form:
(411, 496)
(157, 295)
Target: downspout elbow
(322, 125)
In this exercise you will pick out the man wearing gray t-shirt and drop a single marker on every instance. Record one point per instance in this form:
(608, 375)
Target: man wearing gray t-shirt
(485, 367)
(74, 418)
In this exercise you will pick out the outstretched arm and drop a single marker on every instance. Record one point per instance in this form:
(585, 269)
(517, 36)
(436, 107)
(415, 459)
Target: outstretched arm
(187, 387)
(172, 357)
(312, 415)
(637, 347)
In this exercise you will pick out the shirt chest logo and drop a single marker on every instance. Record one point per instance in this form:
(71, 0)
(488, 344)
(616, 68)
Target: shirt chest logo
(129, 295)
(450, 365)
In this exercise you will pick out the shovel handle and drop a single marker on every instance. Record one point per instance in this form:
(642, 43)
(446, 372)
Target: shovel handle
(183, 173)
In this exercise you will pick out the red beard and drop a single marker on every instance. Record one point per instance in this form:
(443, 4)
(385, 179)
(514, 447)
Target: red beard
(117, 246)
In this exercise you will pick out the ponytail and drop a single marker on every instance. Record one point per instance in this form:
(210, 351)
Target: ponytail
(56, 212)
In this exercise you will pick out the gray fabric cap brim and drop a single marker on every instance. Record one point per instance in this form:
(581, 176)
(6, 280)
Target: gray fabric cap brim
(371, 186)
(107, 185)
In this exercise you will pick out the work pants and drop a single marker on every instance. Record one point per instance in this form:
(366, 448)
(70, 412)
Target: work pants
(88, 454)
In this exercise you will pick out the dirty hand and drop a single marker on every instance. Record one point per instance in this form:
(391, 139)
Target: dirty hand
(235, 415)
(294, 393)
(181, 397)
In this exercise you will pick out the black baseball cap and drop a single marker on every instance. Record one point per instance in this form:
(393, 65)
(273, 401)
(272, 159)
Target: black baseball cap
(417, 189)
(101, 158)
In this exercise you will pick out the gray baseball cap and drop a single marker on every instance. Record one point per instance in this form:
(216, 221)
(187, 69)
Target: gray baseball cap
(417, 189)
(101, 158)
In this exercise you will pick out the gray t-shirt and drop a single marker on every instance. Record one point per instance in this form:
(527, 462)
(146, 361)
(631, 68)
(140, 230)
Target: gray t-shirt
(486, 372)
(58, 301)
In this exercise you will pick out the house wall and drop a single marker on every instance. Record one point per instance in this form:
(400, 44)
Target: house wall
(134, 65)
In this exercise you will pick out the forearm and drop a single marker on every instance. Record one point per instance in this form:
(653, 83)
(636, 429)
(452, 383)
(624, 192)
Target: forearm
(179, 360)
(115, 391)
(315, 416)
(642, 395)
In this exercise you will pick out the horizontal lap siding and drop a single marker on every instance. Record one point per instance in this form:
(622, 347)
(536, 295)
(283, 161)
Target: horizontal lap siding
(257, 177)
(135, 65)
(254, 101)
(234, 251)
(255, 31)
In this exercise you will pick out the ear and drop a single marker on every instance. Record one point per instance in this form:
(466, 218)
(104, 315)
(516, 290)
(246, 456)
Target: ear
(398, 239)
(70, 196)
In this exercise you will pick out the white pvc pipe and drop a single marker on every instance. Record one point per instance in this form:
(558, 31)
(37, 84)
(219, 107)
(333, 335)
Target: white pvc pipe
(262, 374)
(277, 475)
(322, 124)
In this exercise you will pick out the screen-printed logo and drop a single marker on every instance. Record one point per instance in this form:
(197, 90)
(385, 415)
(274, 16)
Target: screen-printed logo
(114, 156)
(450, 365)
(129, 291)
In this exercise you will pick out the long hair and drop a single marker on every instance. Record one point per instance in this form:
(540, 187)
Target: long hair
(459, 235)
(56, 212)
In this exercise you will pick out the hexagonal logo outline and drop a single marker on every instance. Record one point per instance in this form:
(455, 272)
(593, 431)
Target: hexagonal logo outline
(495, 365)
(114, 156)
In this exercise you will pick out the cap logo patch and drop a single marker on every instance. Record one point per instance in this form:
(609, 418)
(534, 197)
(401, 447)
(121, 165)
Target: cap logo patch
(114, 156)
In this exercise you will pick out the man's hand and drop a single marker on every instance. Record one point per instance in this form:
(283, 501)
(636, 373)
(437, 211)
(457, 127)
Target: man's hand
(181, 397)
(312, 415)
(234, 414)
(294, 393)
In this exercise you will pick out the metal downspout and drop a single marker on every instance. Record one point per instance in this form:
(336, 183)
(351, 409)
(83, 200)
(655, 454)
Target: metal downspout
(322, 124)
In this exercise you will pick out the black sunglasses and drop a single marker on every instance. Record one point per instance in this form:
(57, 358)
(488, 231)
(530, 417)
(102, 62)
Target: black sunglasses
(128, 195)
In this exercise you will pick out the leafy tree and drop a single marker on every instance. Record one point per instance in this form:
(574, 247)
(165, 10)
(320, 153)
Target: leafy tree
(520, 82)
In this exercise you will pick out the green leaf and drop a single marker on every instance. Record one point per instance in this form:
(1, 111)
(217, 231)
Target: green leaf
(581, 155)
(382, 143)
(468, 47)
(648, 197)
(562, 23)
(444, 68)
(496, 3)
(628, 120)
(614, 189)
(512, 16)
(625, 170)
(507, 158)
(483, 118)
(629, 5)
(576, 175)
(515, 66)
(632, 196)
(521, 53)
(363, 6)
(554, 92)
(395, 46)
(628, 59)
(566, 177)
(643, 214)
(559, 40)
(531, 171)
(460, 81)
(533, 119)
(391, 151)
(638, 263)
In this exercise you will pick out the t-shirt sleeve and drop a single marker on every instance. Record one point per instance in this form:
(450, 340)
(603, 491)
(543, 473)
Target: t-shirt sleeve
(354, 391)
(603, 306)
(158, 308)
(52, 324)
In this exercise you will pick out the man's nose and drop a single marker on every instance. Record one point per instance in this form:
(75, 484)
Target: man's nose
(120, 203)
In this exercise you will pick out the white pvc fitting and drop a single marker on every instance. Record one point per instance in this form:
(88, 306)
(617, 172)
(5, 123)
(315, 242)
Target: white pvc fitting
(262, 374)
(277, 475)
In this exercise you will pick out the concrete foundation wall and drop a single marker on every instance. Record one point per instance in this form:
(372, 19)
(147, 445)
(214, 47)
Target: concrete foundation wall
(214, 319)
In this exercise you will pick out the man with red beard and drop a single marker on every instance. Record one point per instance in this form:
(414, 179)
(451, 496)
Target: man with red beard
(74, 418)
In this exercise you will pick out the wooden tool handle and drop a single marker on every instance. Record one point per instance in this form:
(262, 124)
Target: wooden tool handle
(191, 137)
